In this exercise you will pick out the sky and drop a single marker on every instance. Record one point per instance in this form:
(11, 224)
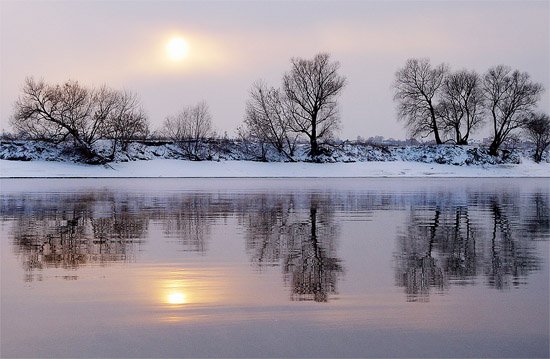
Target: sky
(231, 44)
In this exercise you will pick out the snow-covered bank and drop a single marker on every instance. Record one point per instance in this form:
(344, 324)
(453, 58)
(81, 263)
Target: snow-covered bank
(179, 168)
(233, 159)
(235, 150)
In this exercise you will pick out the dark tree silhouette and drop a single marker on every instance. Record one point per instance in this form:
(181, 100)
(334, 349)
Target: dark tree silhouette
(311, 91)
(71, 111)
(127, 121)
(461, 105)
(537, 130)
(267, 120)
(56, 112)
(509, 96)
(416, 89)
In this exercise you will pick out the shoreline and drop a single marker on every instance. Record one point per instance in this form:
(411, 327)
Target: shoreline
(166, 168)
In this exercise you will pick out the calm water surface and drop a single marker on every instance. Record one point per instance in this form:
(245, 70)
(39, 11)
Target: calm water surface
(267, 267)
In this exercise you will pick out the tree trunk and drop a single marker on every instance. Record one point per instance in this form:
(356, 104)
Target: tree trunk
(437, 138)
(434, 126)
(493, 149)
(538, 155)
(457, 134)
(113, 150)
(314, 151)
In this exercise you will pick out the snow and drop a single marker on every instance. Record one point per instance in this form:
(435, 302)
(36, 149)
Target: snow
(346, 151)
(32, 159)
(182, 168)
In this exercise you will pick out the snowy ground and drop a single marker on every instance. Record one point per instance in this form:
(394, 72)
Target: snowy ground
(234, 150)
(180, 168)
(233, 159)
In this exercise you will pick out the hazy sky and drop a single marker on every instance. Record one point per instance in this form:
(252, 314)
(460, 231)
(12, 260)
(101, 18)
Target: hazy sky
(232, 44)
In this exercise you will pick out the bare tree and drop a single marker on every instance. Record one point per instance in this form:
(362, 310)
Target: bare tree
(70, 111)
(267, 121)
(461, 106)
(509, 97)
(537, 129)
(56, 112)
(190, 129)
(127, 120)
(416, 88)
(311, 89)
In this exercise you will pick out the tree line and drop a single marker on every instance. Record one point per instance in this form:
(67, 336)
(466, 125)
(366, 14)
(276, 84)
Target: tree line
(431, 100)
(451, 105)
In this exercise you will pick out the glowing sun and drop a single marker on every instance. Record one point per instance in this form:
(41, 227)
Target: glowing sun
(177, 48)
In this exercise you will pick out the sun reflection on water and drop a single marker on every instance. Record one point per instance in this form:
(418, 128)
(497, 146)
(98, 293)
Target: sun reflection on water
(174, 292)
(176, 298)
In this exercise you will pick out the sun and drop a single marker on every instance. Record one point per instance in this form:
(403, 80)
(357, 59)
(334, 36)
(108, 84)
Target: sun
(177, 48)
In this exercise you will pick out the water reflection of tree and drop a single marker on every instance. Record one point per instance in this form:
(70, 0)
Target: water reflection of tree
(511, 256)
(266, 220)
(451, 245)
(537, 218)
(448, 239)
(457, 241)
(417, 269)
(188, 219)
(301, 233)
(71, 231)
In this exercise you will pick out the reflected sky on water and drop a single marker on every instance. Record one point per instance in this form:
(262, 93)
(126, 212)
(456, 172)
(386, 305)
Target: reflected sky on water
(249, 267)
